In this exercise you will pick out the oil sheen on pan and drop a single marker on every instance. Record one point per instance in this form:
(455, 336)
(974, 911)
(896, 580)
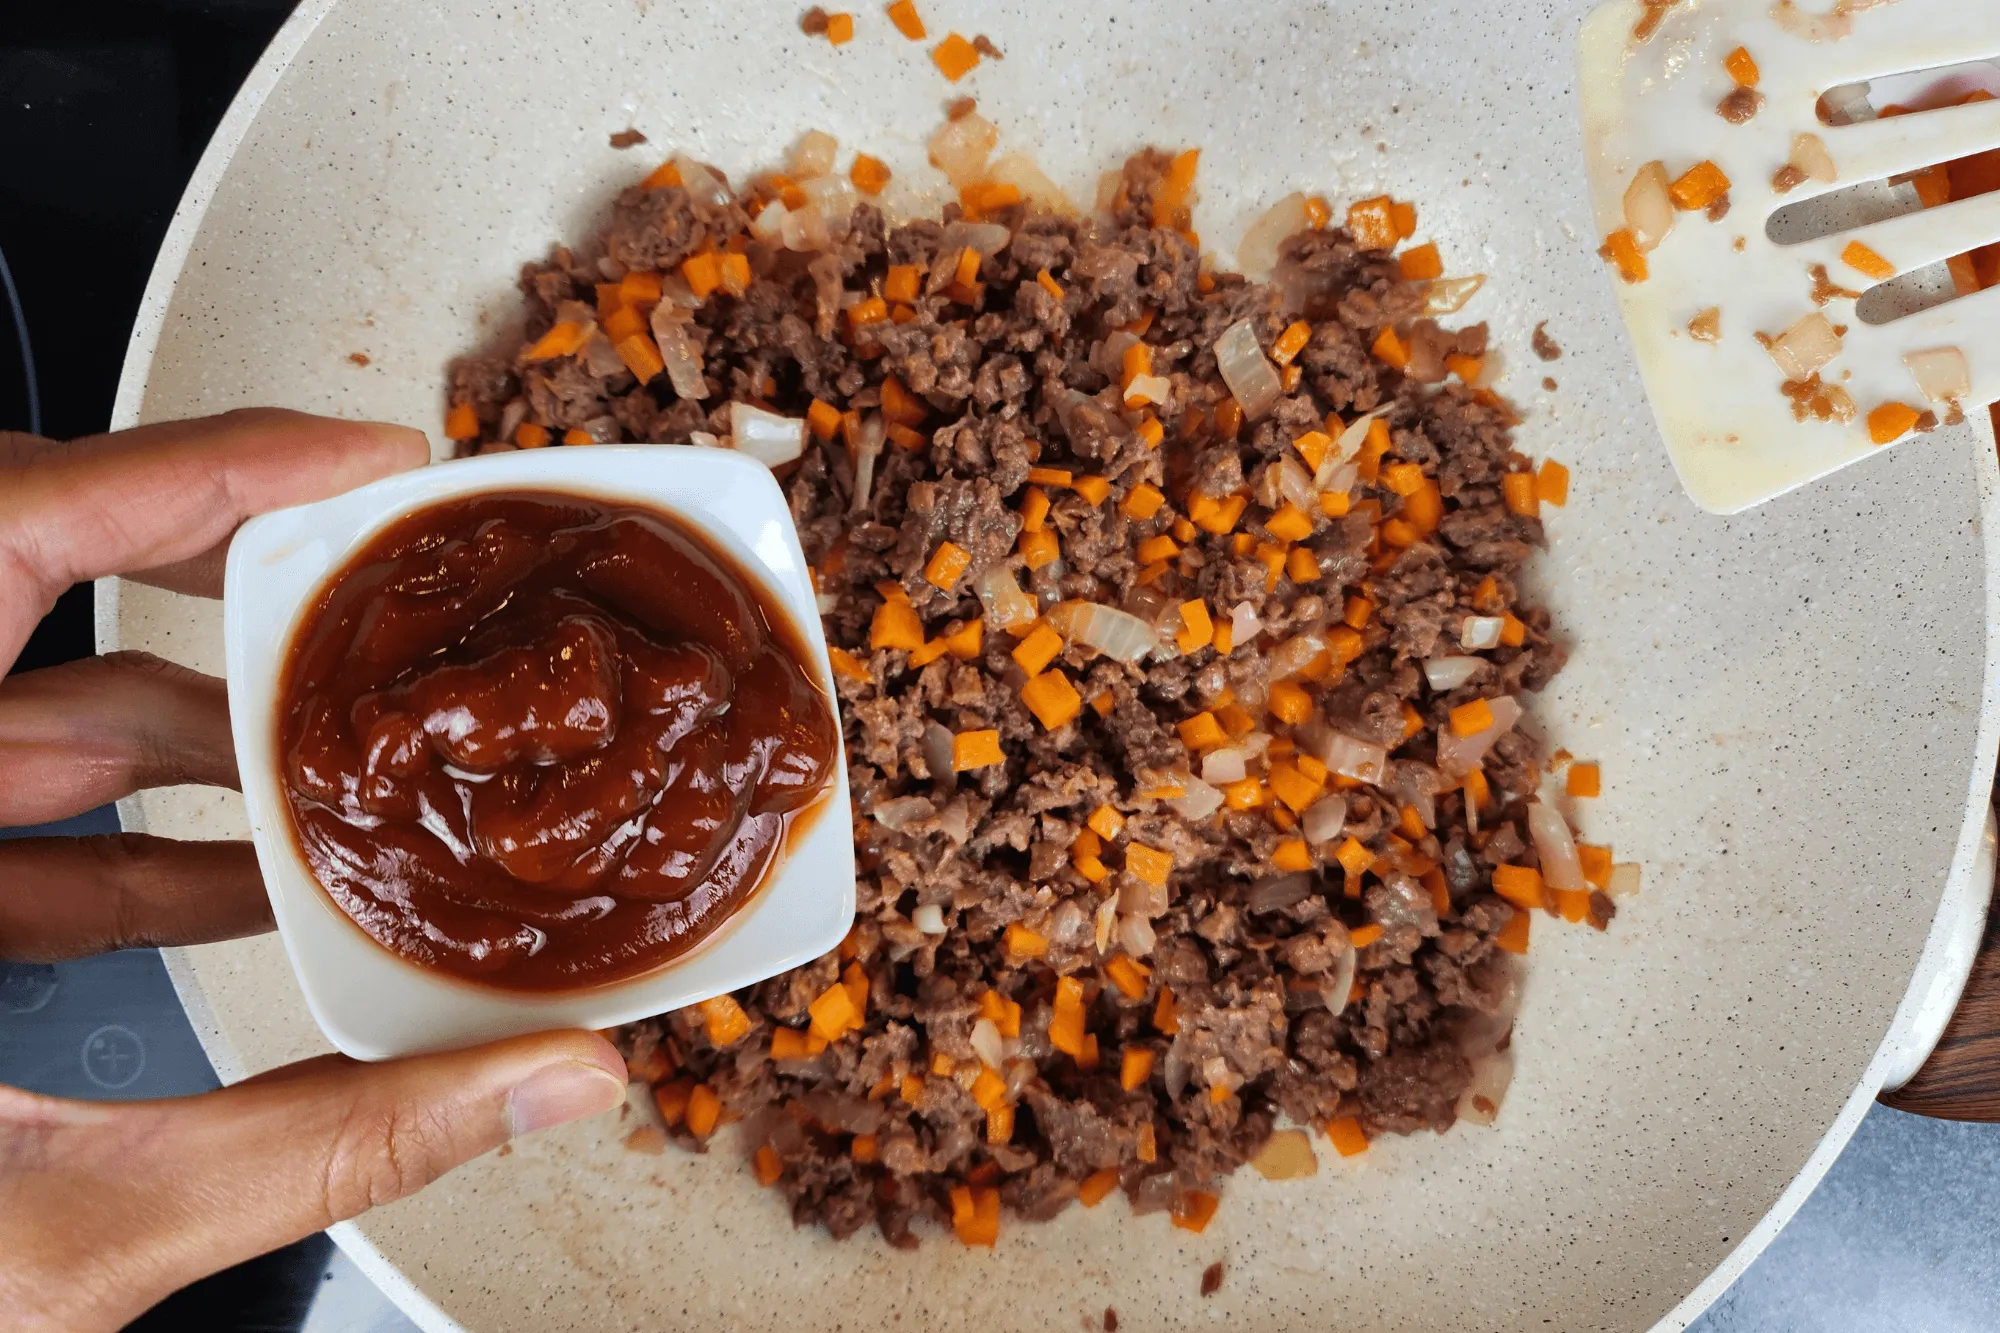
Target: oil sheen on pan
(542, 742)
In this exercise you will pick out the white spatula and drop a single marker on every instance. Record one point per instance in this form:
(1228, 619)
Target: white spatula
(1731, 326)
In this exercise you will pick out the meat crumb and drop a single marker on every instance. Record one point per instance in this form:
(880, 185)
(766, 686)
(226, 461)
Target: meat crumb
(358, 358)
(1545, 346)
(1825, 289)
(1787, 179)
(648, 1139)
(1549, 383)
(1211, 1278)
(1740, 106)
(627, 138)
(984, 45)
(1649, 22)
(1707, 326)
(1110, 1320)
(1719, 210)
(960, 108)
(813, 22)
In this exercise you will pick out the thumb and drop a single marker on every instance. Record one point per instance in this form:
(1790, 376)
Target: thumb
(106, 1209)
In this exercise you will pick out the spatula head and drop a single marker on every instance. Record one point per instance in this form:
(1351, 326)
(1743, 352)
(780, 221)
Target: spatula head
(1740, 248)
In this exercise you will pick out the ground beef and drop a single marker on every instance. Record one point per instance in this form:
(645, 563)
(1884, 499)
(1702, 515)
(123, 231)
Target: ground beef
(1232, 1016)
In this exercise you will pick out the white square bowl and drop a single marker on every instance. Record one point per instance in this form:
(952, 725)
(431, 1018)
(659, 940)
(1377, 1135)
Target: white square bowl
(373, 1004)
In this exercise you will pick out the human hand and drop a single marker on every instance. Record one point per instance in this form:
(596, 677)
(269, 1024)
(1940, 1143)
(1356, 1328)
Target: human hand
(107, 1208)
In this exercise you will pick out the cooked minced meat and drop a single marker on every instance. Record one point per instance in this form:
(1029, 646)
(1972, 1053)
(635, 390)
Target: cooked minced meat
(1015, 962)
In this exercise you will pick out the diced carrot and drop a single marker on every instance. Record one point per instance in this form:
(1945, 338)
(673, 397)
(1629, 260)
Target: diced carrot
(562, 339)
(1391, 350)
(1174, 194)
(1421, 263)
(703, 273)
(528, 435)
(1103, 702)
(1470, 719)
(462, 422)
(1413, 721)
(1039, 548)
(1411, 823)
(1289, 523)
(735, 273)
(1233, 718)
(1742, 67)
(1572, 905)
(1467, 368)
(833, 1013)
(672, 1100)
(1291, 342)
(1149, 1144)
(1152, 432)
(1052, 699)
(1891, 421)
(1349, 1140)
(1093, 488)
(1292, 787)
(1699, 186)
(1345, 644)
(902, 283)
(967, 272)
(1197, 629)
(1363, 936)
(727, 1023)
(1201, 731)
(621, 323)
(1051, 476)
(1156, 548)
(989, 1089)
(1148, 864)
(1519, 885)
(1129, 976)
(1584, 780)
(1372, 223)
(1317, 213)
(1035, 652)
(577, 435)
(904, 15)
(1292, 854)
(1034, 509)
(1096, 1187)
(1354, 856)
(1406, 220)
(872, 310)
(1335, 504)
(1228, 418)
(847, 664)
(1622, 249)
(975, 749)
(1865, 261)
(1066, 1017)
(823, 418)
(947, 565)
(1290, 704)
(1476, 789)
(667, 173)
(1312, 447)
(930, 651)
(840, 28)
(986, 197)
(912, 1089)
(641, 356)
(865, 1148)
(1022, 943)
(1142, 502)
(768, 1165)
(898, 403)
(1047, 283)
(1552, 483)
(704, 1111)
(1596, 863)
(955, 57)
(896, 626)
(1403, 478)
(1224, 516)
(789, 1044)
(1194, 1209)
(869, 174)
(1521, 494)
(1166, 1014)
(1513, 633)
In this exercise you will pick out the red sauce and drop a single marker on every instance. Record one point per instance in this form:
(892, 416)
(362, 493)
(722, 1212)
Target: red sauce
(545, 743)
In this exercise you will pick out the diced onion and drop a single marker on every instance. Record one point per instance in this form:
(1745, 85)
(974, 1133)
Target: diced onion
(1492, 1074)
(1020, 171)
(767, 437)
(1624, 881)
(702, 185)
(987, 1045)
(929, 919)
(1407, 903)
(1339, 460)
(826, 602)
(1827, 27)
(1459, 755)
(1006, 604)
(1805, 347)
(1197, 800)
(986, 238)
(1942, 373)
(1324, 819)
(1116, 634)
(1278, 892)
(1244, 624)
(1354, 758)
(1447, 296)
(937, 752)
(511, 417)
(833, 196)
(1106, 921)
(603, 430)
(805, 230)
(1248, 372)
(1343, 981)
(1295, 654)
(1561, 868)
(1448, 673)
(680, 349)
(1479, 633)
(1146, 389)
(1257, 252)
(955, 821)
(1649, 209)
(960, 148)
(1847, 104)
(769, 224)
(1225, 765)
(1296, 485)
(1810, 156)
(1135, 934)
(1286, 1155)
(1138, 895)
(813, 155)
(703, 439)
(899, 812)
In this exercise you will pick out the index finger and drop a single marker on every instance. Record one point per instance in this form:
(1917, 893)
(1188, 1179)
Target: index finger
(162, 494)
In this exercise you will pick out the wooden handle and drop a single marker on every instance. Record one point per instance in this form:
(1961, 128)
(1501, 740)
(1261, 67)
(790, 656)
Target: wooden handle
(1961, 1080)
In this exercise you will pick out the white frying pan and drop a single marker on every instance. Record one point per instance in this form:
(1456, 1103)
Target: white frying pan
(1794, 707)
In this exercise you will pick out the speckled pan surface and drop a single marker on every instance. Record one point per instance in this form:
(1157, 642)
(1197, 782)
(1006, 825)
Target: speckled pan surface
(1788, 704)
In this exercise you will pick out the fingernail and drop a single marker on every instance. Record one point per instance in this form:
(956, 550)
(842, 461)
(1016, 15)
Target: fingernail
(559, 1093)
